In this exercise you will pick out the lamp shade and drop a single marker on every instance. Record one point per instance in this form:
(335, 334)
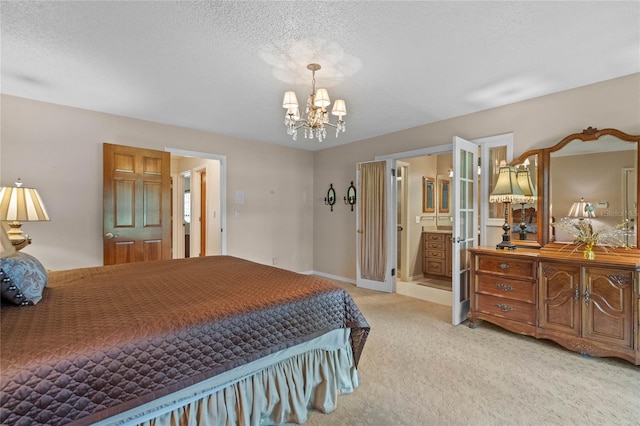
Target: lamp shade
(507, 189)
(339, 108)
(322, 98)
(21, 204)
(524, 182)
(290, 100)
(582, 209)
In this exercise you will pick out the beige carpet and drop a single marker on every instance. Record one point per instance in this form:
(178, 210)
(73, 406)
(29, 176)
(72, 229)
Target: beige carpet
(418, 369)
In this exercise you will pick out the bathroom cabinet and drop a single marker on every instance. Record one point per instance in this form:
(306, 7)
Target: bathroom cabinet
(436, 259)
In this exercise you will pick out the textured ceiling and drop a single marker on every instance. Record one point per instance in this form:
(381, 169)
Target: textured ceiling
(224, 66)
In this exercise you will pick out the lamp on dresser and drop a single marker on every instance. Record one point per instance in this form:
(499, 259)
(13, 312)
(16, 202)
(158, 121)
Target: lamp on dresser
(19, 204)
(529, 196)
(582, 209)
(506, 191)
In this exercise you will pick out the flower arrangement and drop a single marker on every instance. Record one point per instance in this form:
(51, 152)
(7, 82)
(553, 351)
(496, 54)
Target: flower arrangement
(585, 237)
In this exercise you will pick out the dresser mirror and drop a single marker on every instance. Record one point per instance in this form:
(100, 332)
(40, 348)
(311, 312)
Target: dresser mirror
(592, 174)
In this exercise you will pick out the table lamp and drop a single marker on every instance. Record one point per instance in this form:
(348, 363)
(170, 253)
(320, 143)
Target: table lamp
(19, 204)
(582, 209)
(506, 191)
(529, 192)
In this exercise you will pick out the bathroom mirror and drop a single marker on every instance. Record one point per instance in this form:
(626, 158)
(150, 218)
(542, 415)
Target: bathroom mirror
(597, 165)
(428, 195)
(444, 195)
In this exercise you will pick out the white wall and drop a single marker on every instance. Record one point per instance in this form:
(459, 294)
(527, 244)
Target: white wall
(58, 150)
(535, 123)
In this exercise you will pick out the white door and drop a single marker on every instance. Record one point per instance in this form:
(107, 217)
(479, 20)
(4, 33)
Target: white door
(465, 224)
(376, 226)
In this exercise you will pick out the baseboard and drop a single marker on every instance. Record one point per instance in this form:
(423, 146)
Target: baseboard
(335, 277)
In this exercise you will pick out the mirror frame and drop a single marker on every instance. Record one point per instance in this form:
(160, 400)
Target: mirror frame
(428, 197)
(442, 197)
(544, 175)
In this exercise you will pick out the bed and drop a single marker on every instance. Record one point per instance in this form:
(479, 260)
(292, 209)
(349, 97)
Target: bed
(214, 339)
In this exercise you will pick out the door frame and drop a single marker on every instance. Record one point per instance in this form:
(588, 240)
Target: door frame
(222, 159)
(485, 143)
(388, 285)
(404, 222)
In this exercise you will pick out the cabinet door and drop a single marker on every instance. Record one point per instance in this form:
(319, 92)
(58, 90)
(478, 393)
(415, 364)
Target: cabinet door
(608, 311)
(560, 298)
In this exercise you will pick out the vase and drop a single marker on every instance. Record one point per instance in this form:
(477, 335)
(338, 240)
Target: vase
(588, 251)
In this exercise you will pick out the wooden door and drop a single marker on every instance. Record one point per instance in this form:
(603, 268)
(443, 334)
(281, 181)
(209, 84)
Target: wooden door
(560, 298)
(136, 204)
(608, 300)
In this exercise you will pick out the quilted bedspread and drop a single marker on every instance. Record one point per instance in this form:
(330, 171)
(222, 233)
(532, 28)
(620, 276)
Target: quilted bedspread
(106, 339)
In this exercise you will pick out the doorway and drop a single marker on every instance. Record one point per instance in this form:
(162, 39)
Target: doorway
(198, 204)
(413, 220)
(464, 217)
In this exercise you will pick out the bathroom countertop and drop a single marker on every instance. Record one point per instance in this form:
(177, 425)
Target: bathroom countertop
(438, 231)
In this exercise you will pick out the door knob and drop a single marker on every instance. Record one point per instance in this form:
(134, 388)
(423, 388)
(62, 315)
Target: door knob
(110, 235)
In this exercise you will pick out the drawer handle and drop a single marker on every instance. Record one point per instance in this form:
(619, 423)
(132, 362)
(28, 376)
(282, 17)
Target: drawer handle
(504, 287)
(504, 308)
(504, 266)
(587, 296)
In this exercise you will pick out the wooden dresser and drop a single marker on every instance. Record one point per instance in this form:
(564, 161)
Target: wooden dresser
(436, 248)
(588, 306)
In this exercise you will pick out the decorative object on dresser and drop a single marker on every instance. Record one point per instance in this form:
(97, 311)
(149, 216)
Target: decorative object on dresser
(585, 302)
(330, 199)
(437, 254)
(20, 204)
(506, 191)
(350, 198)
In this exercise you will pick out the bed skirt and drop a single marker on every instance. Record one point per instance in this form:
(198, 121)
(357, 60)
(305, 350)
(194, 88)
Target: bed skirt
(280, 388)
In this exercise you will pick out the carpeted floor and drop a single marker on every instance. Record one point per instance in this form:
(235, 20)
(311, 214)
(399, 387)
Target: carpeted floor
(418, 369)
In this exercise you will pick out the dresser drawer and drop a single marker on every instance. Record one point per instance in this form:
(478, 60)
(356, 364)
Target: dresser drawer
(512, 267)
(434, 237)
(524, 291)
(506, 308)
(435, 254)
(435, 266)
(437, 245)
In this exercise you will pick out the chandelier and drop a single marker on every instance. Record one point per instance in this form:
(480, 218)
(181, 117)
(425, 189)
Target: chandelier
(316, 115)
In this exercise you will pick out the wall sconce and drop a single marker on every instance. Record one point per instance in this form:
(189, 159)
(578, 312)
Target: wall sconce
(351, 196)
(330, 199)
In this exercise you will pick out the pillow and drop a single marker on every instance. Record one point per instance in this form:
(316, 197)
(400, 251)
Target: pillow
(22, 279)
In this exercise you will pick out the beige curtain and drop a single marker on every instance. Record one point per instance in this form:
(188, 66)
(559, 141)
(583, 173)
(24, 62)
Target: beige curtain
(373, 241)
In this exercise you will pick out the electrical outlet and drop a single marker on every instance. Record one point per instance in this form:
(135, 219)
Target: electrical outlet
(274, 260)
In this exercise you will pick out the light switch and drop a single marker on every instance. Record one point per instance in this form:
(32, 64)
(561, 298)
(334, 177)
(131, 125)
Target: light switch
(239, 197)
